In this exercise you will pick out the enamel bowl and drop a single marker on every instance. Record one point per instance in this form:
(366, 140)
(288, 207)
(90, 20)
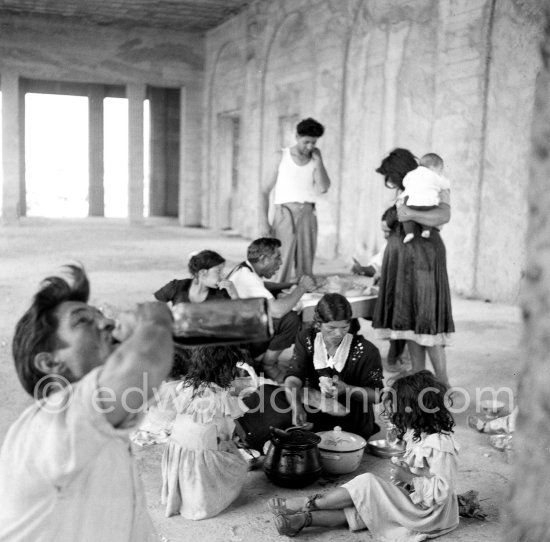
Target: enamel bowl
(341, 452)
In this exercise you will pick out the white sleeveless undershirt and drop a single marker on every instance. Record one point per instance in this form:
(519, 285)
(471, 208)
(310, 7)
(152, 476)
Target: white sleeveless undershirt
(294, 182)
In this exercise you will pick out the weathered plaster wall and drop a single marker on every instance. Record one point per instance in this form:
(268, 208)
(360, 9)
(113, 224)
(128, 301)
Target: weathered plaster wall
(455, 77)
(515, 46)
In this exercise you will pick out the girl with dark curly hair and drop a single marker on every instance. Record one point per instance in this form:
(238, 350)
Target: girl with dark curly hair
(202, 469)
(419, 501)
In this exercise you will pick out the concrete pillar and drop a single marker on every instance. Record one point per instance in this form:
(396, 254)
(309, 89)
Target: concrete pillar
(157, 189)
(11, 147)
(136, 97)
(527, 517)
(96, 192)
(190, 189)
(22, 182)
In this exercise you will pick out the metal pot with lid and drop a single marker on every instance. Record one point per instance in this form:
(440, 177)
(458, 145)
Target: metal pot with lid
(341, 452)
(292, 459)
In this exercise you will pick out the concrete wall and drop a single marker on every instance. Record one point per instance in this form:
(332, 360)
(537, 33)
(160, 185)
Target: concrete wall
(456, 77)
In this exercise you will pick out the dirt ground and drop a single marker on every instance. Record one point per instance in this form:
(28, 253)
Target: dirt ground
(126, 264)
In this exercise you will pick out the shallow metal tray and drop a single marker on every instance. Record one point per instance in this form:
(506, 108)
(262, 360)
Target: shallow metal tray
(381, 448)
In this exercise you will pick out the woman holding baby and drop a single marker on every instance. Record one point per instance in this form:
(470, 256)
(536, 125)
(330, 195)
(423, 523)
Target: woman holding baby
(414, 301)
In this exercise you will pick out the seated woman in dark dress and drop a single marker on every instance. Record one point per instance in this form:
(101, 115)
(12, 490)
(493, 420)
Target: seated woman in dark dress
(332, 348)
(206, 284)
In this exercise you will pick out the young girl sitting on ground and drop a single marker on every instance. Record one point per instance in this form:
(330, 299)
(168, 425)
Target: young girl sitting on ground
(202, 469)
(419, 501)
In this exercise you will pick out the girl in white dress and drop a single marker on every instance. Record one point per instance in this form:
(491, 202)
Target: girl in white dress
(419, 501)
(202, 469)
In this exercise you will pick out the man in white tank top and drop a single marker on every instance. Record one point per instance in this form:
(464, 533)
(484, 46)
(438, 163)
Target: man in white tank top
(300, 176)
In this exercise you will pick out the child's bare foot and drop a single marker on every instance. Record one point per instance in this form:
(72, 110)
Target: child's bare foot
(425, 234)
(408, 238)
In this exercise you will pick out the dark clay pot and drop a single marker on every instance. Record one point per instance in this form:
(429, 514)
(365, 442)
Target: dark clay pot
(293, 459)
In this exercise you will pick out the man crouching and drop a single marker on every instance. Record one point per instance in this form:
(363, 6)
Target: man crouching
(66, 468)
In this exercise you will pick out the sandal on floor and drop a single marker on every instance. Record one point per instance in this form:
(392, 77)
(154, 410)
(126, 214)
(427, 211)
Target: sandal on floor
(277, 505)
(292, 524)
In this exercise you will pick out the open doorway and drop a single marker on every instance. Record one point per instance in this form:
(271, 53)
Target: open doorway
(228, 169)
(56, 156)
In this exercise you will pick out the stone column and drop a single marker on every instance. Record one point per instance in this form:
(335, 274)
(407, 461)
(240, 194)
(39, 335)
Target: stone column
(11, 147)
(96, 192)
(157, 189)
(22, 178)
(528, 519)
(136, 97)
(190, 189)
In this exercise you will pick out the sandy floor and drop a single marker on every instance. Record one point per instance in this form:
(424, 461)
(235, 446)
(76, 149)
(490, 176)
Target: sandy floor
(127, 264)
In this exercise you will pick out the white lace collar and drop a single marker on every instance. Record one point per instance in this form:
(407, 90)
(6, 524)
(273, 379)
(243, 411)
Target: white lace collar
(321, 359)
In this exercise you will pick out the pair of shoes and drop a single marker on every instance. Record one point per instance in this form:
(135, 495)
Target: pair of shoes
(277, 505)
(292, 524)
(476, 423)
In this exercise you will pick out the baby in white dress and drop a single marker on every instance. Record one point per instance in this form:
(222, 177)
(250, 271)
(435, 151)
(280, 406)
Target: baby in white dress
(422, 187)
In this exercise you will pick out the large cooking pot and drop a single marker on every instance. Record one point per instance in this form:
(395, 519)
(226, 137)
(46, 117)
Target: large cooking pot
(341, 452)
(292, 459)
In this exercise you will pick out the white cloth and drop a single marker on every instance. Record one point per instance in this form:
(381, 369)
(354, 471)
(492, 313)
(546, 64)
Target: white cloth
(376, 260)
(157, 423)
(248, 283)
(202, 469)
(422, 186)
(67, 474)
(394, 515)
(294, 182)
(321, 359)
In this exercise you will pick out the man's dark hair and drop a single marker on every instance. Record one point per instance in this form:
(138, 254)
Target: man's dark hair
(310, 127)
(264, 246)
(36, 331)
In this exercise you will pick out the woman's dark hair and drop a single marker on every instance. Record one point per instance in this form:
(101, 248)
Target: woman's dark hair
(334, 308)
(310, 127)
(213, 364)
(417, 402)
(395, 166)
(36, 331)
(205, 259)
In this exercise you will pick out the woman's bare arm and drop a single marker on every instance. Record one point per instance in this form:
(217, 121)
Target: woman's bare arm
(434, 217)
